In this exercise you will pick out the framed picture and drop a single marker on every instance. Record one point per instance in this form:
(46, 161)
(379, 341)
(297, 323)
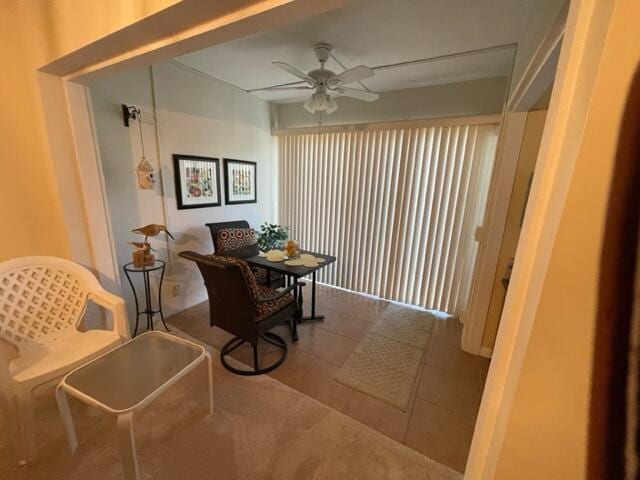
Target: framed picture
(240, 182)
(197, 181)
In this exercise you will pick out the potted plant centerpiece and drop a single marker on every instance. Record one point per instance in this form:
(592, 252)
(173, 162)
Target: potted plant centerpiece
(272, 237)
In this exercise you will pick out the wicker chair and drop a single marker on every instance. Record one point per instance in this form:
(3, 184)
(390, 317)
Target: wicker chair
(263, 276)
(245, 309)
(42, 303)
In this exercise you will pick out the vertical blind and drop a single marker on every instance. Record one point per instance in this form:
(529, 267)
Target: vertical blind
(398, 207)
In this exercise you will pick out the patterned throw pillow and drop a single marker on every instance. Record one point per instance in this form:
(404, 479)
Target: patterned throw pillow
(235, 238)
(265, 309)
(246, 272)
(262, 309)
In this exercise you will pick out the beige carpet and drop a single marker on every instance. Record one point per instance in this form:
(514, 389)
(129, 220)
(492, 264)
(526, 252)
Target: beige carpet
(261, 429)
(386, 363)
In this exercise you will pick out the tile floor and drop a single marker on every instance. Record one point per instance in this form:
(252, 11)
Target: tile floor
(441, 418)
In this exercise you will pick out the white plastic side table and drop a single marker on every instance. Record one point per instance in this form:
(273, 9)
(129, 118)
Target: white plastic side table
(127, 379)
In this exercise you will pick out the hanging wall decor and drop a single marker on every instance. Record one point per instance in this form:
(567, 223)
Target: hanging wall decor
(240, 181)
(144, 173)
(197, 181)
(144, 170)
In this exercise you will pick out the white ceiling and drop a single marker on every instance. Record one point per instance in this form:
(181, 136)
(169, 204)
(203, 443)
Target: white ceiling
(375, 33)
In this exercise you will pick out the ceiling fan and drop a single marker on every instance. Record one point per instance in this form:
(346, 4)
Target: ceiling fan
(326, 83)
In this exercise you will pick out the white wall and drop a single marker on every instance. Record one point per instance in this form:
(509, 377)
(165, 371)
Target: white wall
(199, 116)
(120, 151)
(473, 97)
(192, 115)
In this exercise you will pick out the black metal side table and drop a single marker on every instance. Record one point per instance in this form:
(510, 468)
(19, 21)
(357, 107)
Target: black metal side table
(148, 310)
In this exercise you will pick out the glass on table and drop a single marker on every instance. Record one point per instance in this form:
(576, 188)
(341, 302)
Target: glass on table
(128, 374)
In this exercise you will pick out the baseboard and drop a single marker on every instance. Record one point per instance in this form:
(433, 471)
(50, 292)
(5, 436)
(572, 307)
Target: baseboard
(486, 352)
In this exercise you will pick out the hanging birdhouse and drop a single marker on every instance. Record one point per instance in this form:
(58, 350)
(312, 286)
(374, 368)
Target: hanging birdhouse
(144, 172)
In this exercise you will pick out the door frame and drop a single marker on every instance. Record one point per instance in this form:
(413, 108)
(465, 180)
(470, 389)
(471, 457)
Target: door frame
(584, 38)
(490, 234)
(73, 151)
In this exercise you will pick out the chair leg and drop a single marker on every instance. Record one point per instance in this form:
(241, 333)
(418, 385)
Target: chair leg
(235, 342)
(255, 357)
(8, 407)
(65, 414)
(27, 426)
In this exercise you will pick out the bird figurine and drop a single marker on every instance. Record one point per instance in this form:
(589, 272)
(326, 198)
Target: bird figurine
(152, 230)
(142, 255)
(141, 246)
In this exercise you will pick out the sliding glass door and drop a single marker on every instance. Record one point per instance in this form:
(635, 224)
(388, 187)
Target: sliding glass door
(398, 206)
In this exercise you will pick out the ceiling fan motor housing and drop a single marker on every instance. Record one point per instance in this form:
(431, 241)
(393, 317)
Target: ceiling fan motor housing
(321, 76)
(323, 50)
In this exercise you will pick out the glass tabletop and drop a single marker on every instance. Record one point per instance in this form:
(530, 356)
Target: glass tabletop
(129, 267)
(127, 375)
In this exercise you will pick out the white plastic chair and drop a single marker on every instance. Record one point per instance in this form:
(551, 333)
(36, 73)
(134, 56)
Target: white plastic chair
(42, 302)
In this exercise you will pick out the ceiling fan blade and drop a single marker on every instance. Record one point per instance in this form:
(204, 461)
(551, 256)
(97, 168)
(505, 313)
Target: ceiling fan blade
(358, 94)
(294, 71)
(272, 89)
(288, 84)
(351, 75)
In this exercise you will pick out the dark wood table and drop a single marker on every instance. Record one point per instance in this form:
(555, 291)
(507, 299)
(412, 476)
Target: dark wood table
(296, 272)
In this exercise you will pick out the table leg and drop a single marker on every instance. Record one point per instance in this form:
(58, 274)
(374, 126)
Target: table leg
(127, 446)
(210, 366)
(313, 316)
(160, 300)
(65, 413)
(147, 295)
(294, 320)
(135, 297)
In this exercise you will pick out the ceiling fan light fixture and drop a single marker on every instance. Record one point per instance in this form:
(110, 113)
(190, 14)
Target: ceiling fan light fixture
(321, 102)
(310, 106)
